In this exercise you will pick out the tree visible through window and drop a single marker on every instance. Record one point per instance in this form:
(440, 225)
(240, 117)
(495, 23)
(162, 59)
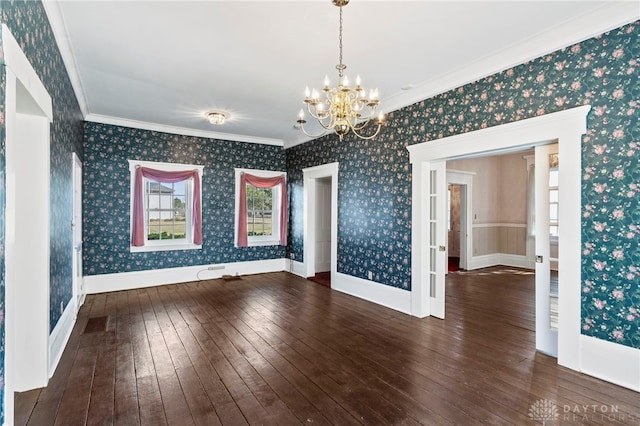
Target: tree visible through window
(259, 211)
(166, 210)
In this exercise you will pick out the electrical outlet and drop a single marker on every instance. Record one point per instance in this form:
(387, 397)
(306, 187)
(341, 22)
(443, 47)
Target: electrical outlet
(61, 308)
(215, 267)
(293, 255)
(370, 275)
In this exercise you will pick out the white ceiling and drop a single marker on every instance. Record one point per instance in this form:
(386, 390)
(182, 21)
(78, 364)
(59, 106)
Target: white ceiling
(162, 65)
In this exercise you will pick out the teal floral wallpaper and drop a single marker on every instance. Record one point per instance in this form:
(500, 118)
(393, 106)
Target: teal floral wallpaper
(107, 204)
(30, 26)
(374, 180)
(375, 193)
(374, 203)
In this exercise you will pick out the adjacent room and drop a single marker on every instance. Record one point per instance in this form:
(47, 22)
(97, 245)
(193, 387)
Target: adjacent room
(334, 212)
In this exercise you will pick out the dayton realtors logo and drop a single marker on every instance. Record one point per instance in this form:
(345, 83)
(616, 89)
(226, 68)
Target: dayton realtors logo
(548, 412)
(544, 411)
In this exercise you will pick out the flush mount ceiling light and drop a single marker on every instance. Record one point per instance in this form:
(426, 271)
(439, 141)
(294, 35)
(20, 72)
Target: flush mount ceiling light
(343, 108)
(216, 118)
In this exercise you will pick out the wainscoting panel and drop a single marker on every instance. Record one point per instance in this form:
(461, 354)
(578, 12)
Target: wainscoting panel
(491, 238)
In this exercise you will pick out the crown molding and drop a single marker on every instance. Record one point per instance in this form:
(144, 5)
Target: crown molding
(115, 121)
(61, 35)
(608, 17)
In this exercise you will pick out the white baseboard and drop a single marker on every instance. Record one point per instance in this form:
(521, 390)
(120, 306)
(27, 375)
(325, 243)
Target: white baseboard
(151, 278)
(516, 261)
(610, 361)
(297, 268)
(484, 261)
(60, 335)
(391, 297)
(495, 259)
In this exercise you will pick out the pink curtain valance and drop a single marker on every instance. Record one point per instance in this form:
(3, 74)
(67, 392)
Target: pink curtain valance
(262, 183)
(137, 231)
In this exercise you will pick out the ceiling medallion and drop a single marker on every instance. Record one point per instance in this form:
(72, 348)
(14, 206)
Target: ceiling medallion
(343, 108)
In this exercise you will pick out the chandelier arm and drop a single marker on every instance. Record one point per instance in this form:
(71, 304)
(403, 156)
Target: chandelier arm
(355, 132)
(322, 121)
(326, 122)
(309, 134)
(326, 126)
(314, 112)
(363, 123)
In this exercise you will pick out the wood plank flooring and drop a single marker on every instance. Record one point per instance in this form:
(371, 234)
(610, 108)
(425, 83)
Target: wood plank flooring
(278, 349)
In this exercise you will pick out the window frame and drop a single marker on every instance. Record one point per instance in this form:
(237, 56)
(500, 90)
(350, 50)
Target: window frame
(164, 245)
(260, 240)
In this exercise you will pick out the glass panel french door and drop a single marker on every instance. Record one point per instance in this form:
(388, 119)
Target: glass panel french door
(437, 235)
(547, 236)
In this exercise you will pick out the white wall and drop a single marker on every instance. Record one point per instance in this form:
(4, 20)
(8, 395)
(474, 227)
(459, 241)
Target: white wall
(499, 202)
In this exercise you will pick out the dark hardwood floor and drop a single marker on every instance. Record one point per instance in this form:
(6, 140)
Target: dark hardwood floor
(279, 349)
(322, 278)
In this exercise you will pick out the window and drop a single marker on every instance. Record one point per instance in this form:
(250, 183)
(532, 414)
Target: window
(166, 204)
(261, 215)
(554, 200)
(260, 211)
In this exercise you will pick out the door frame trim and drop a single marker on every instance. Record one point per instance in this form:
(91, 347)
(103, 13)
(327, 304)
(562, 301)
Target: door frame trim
(77, 286)
(22, 82)
(546, 337)
(565, 127)
(463, 178)
(309, 202)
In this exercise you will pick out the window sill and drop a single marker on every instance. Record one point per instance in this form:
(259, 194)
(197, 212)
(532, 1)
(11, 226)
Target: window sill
(165, 247)
(263, 243)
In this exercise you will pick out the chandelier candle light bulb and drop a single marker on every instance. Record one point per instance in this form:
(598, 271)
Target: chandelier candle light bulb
(343, 109)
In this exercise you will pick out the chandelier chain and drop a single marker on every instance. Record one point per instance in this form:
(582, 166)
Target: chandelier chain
(340, 66)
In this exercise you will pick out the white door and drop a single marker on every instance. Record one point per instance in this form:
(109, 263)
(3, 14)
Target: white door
(76, 225)
(437, 219)
(323, 225)
(546, 224)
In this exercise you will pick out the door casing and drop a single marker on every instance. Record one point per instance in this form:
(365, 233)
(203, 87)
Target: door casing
(76, 224)
(465, 180)
(565, 127)
(28, 114)
(309, 226)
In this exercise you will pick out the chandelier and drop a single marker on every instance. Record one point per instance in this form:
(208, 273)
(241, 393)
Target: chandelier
(342, 108)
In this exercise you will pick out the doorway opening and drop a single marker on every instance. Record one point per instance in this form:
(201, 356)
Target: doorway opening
(428, 204)
(453, 228)
(320, 198)
(323, 232)
(27, 247)
(76, 224)
(459, 219)
(503, 222)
